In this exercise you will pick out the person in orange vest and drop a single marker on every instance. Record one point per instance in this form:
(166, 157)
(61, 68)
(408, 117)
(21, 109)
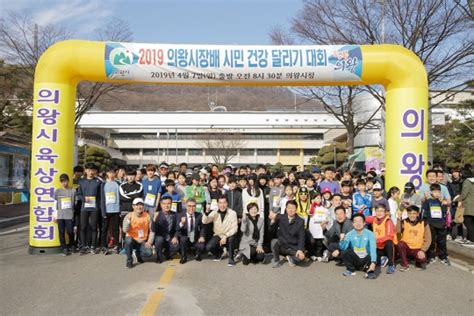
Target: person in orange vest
(136, 225)
(385, 237)
(415, 240)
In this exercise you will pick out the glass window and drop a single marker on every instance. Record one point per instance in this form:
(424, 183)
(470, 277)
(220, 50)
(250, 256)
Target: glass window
(289, 152)
(266, 152)
(247, 152)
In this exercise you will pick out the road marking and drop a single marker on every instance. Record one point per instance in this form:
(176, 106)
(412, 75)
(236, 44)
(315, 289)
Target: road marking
(153, 302)
(15, 230)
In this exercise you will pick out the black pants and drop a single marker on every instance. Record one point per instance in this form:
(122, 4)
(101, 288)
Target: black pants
(131, 244)
(77, 224)
(317, 247)
(89, 228)
(279, 249)
(215, 247)
(438, 240)
(112, 221)
(388, 250)
(469, 223)
(162, 244)
(353, 262)
(185, 244)
(65, 226)
(255, 257)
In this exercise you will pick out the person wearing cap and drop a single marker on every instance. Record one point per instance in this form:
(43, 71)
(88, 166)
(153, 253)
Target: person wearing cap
(224, 228)
(163, 231)
(89, 194)
(151, 190)
(328, 182)
(64, 198)
(204, 175)
(136, 226)
(110, 209)
(377, 197)
(304, 204)
(197, 192)
(415, 240)
(326, 197)
(409, 197)
(163, 169)
(316, 172)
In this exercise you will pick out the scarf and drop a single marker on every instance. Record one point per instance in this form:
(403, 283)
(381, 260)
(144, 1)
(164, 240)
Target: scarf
(256, 233)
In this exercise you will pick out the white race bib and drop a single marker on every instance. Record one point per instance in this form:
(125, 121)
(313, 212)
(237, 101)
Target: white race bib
(66, 203)
(360, 252)
(436, 212)
(174, 207)
(276, 201)
(214, 205)
(89, 202)
(141, 233)
(110, 198)
(150, 199)
(199, 207)
(319, 216)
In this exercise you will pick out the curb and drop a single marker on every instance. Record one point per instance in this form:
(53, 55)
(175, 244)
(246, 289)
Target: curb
(10, 221)
(459, 249)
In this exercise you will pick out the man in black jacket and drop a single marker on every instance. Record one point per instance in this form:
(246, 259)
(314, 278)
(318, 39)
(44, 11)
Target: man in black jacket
(291, 236)
(190, 231)
(163, 230)
(340, 227)
(128, 190)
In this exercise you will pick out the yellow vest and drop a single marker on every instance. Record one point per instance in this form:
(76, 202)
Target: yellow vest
(139, 227)
(413, 236)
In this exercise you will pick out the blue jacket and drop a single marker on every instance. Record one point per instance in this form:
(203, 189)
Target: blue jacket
(364, 242)
(358, 200)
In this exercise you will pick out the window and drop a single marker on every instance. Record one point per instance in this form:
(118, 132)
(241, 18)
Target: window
(130, 151)
(150, 152)
(266, 152)
(311, 152)
(247, 152)
(289, 152)
(195, 152)
(172, 152)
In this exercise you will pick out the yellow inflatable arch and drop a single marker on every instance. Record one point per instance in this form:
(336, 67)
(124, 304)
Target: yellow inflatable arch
(65, 64)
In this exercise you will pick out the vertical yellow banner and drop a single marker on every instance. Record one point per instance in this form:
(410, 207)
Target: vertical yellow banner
(406, 149)
(51, 155)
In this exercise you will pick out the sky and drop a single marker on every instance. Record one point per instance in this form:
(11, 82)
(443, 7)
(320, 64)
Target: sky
(167, 21)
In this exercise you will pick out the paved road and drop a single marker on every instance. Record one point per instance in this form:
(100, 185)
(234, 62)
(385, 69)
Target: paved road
(95, 284)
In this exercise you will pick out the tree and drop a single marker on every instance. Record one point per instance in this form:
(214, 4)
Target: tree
(222, 146)
(452, 142)
(100, 157)
(325, 157)
(438, 31)
(22, 42)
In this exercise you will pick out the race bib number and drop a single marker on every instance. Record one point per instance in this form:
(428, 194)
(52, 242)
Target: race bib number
(199, 208)
(89, 202)
(174, 207)
(141, 233)
(66, 203)
(360, 252)
(319, 216)
(436, 212)
(150, 199)
(150, 187)
(276, 201)
(110, 198)
(214, 205)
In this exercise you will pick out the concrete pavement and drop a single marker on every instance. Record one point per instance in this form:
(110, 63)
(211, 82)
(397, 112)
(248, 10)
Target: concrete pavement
(95, 284)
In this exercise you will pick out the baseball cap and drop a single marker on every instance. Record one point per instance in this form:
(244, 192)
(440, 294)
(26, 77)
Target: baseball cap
(137, 201)
(163, 165)
(377, 186)
(204, 170)
(326, 190)
(315, 169)
(189, 172)
(195, 176)
(409, 187)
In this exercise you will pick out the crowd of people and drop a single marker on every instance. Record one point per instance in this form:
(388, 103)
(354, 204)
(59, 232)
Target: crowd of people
(250, 215)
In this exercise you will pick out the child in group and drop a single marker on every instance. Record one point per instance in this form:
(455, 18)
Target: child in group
(289, 196)
(394, 202)
(175, 197)
(377, 197)
(326, 197)
(234, 197)
(302, 199)
(362, 201)
(385, 237)
(318, 217)
(276, 192)
(435, 213)
(197, 192)
(64, 197)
